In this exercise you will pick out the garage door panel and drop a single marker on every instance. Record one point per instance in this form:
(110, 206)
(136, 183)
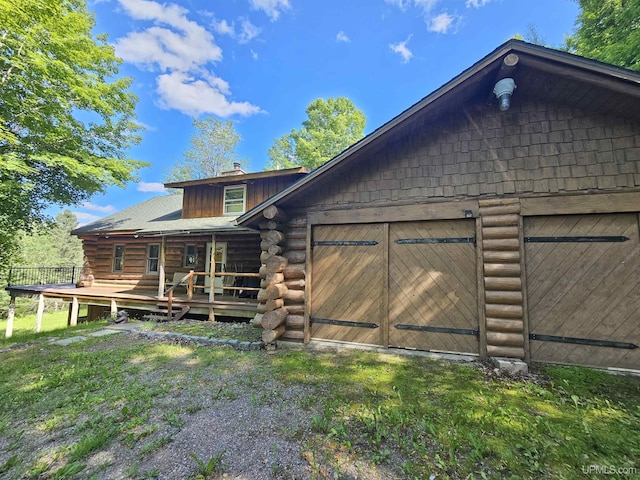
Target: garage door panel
(348, 284)
(432, 286)
(586, 288)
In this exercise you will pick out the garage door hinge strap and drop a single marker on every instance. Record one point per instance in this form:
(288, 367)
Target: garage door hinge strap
(414, 241)
(343, 323)
(426, 328)
(344, 243)
(583, 341)
(592, 239)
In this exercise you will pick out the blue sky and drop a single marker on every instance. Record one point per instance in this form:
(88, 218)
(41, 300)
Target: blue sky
(261, 62)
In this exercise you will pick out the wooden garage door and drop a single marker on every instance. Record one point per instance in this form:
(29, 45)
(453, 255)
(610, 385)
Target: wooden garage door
(348, 283)
(433, 286)
(583, 289)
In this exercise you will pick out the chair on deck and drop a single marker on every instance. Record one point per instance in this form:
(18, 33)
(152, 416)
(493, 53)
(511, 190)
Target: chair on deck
(229, 281)
(176, 278)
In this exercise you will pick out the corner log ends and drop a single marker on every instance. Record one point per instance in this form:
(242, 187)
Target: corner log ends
(280, 311)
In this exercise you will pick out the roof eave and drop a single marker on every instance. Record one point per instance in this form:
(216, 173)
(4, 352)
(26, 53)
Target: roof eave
(238, 178)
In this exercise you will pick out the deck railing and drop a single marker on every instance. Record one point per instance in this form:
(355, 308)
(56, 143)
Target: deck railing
(189, 280)
(43, 275)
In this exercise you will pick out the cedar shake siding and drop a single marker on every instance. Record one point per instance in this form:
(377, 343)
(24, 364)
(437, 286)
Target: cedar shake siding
(531, 149)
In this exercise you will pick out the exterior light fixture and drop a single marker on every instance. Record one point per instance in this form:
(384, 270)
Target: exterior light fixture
(503, 91)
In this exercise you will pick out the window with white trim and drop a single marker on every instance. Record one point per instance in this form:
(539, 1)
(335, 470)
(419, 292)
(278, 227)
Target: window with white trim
(118, 258)
(235, 199)
(153, 257)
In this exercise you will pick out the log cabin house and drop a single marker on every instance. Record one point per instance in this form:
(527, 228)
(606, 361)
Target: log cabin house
(496, 227)
(166, 252)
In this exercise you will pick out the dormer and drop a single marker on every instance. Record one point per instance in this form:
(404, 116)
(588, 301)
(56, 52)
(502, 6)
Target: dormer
(234, 192)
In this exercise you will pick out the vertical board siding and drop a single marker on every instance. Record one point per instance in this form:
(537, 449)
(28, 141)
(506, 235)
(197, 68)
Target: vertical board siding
(584, 290)
(207, 200)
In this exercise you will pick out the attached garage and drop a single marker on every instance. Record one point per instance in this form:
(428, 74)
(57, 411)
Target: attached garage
(405, 284)
(460, 227)
(583, 289)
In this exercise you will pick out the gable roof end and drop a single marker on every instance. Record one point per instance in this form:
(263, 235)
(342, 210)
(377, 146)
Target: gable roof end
(538, 67)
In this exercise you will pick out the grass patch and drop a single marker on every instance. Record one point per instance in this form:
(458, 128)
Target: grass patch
(53, 324)
(409, 416)
(450, 420)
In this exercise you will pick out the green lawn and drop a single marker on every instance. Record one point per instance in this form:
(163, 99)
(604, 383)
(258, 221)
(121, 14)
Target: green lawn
(53, 323)
(63, 408)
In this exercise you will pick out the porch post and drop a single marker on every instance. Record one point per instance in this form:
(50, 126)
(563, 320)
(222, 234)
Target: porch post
(74, 312)
(10, 316)
(40, 313)
(114, 309)
(212, 276)
(161, 273)
(212, 267)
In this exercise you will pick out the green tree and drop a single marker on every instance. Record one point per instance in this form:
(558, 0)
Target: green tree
(212, 150)
(66, 118)
(332, 126)
(609, 31)
(51, 245)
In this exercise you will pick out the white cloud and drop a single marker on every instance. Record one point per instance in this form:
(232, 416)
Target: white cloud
(401, 49)
(244, 34)
(401, 4)
(147, 127)
(342, 37)
(196, 96)
(92, 207)
(84, 218)
(476, 3)
(254, 54)
(272, 8)
(425, 5)
(155, 187)
(248, 31)
(182, 51)
(440, 23)
(167, 49)
(223, 27)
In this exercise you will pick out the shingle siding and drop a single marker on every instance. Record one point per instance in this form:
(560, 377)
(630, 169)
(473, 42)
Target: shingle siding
(531, 149)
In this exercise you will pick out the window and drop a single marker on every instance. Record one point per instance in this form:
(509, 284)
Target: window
(190, 256)
(235, 199)
(153, 254)
(118, 258)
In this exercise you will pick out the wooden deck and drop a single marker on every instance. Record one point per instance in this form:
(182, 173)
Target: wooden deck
(146, 300)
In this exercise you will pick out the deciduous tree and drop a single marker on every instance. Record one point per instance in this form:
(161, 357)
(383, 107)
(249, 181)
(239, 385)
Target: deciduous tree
(332, 126)
(66, 118)
(609, 31)
(212, 150)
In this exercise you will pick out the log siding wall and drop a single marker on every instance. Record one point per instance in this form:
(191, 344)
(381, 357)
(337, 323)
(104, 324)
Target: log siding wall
(531, 149)
(242, 254)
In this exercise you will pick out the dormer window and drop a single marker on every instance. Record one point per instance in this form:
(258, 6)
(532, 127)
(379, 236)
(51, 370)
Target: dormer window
(235, 199)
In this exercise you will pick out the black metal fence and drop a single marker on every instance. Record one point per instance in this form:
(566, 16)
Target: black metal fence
(43, 275)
